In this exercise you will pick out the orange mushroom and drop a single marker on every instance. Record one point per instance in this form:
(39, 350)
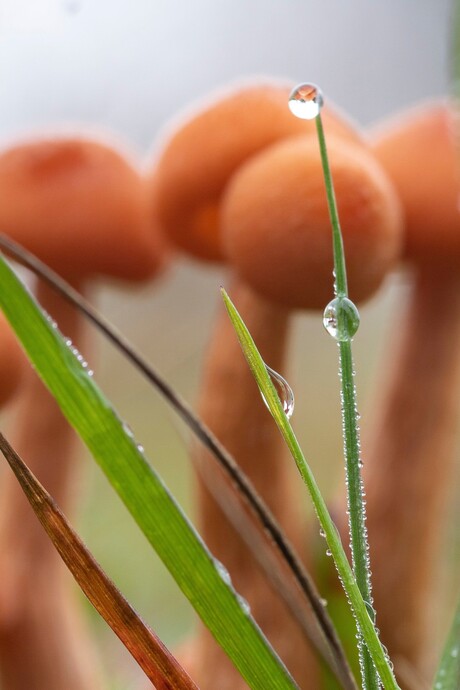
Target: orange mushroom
(11, 362)
(217, 182)
(83, 209)
(200, 157)
(409, 454)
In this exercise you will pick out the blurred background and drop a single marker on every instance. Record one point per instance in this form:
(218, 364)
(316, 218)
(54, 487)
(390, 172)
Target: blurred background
(124, 69)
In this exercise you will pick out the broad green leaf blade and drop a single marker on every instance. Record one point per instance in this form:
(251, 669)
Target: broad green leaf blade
(448, 674)
(334, 543)
(155, 511)
(153, 657)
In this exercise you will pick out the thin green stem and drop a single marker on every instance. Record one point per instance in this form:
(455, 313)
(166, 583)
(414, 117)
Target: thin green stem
(448, 673)
(340, 270)
(355, 598)
(356, 507)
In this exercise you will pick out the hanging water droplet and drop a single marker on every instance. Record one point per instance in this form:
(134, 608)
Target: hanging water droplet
(328, 552)
(306, 101)
(322, 533)
(341, 319)
(284, 390)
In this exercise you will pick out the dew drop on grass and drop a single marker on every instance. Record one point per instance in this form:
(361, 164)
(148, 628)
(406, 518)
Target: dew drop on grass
(306, 101)
(284, 390)
(243, 604)
(223, 572)
(341, 319)
(370, 610)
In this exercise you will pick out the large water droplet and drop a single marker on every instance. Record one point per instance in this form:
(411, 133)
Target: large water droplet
(306, 101)
(284, 390)
(341, 319)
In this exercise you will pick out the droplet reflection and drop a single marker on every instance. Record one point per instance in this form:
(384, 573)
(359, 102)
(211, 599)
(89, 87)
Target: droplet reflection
(306, 101)
(284, 390)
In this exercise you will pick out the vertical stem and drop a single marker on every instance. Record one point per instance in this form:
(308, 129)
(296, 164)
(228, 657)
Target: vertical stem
(337, 241)
(357, 516)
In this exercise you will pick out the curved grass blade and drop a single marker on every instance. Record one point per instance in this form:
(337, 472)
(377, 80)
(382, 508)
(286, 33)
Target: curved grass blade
(334, 543)
(158, 664)
(149, 502)
(448, 673)
(217, 451)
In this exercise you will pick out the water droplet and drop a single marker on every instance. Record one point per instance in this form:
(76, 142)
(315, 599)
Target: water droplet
(323, 602)
(128, 431)
(306, 101)
(328, 552)
(322, 533)
(341, 319)
(454, 652)
(223, 572)
(243, 604)
(140, 448)
(370, 610)
(284, 390)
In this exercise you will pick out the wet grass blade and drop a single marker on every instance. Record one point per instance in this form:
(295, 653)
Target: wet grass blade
(239, 480)
(334, 543)
(355, 489)
(448, 674)
(150, 503)
(153, 657)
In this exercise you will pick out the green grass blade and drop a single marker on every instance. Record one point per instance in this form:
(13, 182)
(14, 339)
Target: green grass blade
(148, 500)
(158, 664)
(334, 543)
(356, 508)
(448, 673)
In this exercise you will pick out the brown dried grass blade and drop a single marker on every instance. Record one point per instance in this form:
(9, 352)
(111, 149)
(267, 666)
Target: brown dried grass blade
(159, 665)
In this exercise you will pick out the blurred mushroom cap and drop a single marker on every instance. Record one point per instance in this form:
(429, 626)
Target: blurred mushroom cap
(198, 160)
(276, 226)
(418, 152)
(79, 206)
(12, 361)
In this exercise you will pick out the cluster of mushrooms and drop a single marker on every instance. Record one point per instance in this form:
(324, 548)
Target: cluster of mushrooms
(241, 182)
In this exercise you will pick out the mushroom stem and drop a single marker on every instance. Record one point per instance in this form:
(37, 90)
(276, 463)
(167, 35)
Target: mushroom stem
(408, 465)
(231, 405)
(42, 644)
